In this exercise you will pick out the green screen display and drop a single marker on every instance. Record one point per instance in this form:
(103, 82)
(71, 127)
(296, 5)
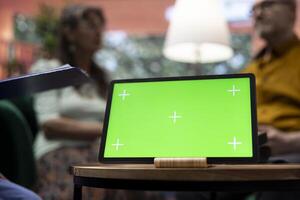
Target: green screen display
(182, 118)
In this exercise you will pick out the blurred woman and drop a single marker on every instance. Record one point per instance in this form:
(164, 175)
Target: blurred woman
(71, 118)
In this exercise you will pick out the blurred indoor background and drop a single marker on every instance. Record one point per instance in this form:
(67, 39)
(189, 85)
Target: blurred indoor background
(133, 42)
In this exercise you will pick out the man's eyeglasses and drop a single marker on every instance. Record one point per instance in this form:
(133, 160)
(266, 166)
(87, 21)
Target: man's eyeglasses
(265, 5)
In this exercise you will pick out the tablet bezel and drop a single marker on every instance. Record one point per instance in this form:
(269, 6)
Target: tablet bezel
(213, 160)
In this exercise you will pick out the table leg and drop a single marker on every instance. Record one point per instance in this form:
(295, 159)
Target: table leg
(77, 192)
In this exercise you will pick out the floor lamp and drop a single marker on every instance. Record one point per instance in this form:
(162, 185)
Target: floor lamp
(198, 33)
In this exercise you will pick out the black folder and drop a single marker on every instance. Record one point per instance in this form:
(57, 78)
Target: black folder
(60, 77)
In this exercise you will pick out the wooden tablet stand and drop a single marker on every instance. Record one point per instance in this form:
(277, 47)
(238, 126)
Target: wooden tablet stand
(180, 163)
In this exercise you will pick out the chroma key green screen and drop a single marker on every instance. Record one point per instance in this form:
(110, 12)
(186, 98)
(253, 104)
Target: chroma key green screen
(180, 118)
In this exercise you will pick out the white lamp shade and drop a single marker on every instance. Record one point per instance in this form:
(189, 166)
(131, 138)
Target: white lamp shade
(198, 33)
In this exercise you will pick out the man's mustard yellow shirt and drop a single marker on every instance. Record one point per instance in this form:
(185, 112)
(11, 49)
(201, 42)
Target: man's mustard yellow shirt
(278, 86)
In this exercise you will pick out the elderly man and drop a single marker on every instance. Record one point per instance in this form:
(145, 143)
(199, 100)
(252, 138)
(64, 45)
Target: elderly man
(277, 71)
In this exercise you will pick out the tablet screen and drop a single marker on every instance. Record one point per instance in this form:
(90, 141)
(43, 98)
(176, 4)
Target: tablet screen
(208, 117)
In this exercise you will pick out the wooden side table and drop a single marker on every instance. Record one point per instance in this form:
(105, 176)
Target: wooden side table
(259, 177)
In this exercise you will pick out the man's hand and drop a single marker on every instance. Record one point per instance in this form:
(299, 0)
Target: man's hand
(278, 141)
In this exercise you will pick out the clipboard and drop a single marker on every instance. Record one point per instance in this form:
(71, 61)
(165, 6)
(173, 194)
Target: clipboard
(29, 84)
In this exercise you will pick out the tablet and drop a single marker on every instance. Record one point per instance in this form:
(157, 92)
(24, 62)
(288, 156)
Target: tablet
(200, 116)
